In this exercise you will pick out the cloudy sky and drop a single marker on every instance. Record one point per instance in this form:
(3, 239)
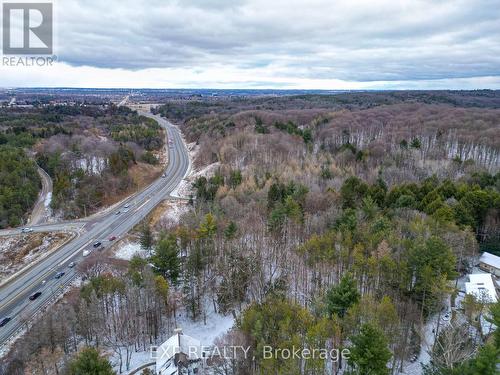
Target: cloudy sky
(307, 44)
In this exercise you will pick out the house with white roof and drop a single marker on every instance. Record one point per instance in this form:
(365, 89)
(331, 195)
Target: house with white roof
(490, 263)
(180, 354)
(481, 286)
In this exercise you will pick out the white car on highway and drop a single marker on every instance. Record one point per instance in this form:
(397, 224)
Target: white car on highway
(86, 253)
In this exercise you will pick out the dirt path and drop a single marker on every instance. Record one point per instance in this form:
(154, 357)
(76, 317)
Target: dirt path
(41, 211)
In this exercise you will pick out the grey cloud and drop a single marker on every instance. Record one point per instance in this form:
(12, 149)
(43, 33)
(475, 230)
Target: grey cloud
(357, 41)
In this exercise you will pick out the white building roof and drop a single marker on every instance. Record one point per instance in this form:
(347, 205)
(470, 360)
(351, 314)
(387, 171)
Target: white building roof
(481, 286)
(490, 259)
(178, 343)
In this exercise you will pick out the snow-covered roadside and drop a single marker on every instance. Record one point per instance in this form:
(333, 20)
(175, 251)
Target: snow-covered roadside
(128, 249)
(18, 251)
(184, 189)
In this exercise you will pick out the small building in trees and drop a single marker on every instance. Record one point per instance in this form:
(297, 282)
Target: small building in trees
(481, 286)
(490, 263)
(180, 354)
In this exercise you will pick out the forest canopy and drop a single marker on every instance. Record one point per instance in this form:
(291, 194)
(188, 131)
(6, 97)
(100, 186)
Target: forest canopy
(19, 185)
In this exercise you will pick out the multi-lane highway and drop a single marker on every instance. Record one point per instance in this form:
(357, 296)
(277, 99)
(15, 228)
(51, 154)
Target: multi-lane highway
(41, 277)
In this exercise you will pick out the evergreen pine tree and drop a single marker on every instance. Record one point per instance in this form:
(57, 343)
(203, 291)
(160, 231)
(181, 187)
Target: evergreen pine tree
(369, 352)
(89, 362)
(166, 258)
(146, 239)
(342, 296)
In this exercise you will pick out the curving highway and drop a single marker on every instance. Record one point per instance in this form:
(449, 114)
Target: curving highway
(40, 277)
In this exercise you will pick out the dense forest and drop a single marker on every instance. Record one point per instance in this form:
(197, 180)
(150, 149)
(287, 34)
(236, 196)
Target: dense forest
(19, 185)
(362, 213)
(181, 110)
(346, 221)
(94, 155)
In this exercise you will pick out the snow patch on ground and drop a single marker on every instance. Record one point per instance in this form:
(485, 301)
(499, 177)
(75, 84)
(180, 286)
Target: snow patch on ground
(171, 216)
(137, 360)
(55, 217)
(48, 199)
(18, 251)
(207, 171)
(185, 188)
(6, 243)
(128, 250)
(217, 325)
(193, 149)
(94, 164)
(176, 209)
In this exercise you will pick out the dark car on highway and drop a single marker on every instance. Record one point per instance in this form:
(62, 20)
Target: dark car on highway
(4, 321)
(59, 275)
(97, 244)
(34, 296)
